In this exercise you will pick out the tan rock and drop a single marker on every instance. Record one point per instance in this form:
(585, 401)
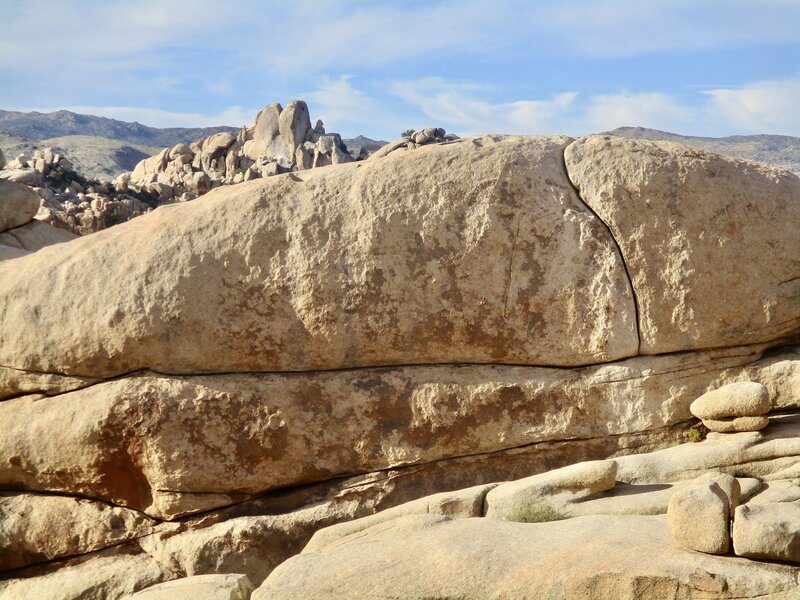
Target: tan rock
(36, 528)
(214, 144)
(737, 424)
(768, 531)
(426, 556)
(740, 399)
(227, 586)
(727, 483)
(698, 518)
(34, 236)
(185, 434)
(576, 481)
(764, 454)
(267, 138)
(18, 204)
(110, 577)
(427, 233)
(463, 504)
(691, 224)
(294, 123)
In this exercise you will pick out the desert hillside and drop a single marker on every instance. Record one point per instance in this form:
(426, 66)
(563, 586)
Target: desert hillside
(780, 151)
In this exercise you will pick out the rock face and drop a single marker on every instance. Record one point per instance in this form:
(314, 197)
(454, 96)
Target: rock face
(329, 272)
(300, 351)
(706, 218)
(36, 528)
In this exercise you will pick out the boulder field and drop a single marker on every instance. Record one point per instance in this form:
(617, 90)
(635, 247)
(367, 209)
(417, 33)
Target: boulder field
(386, 355)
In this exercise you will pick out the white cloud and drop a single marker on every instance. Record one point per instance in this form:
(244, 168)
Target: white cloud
(346, 109)
(458, 106)
(654, 110)
(760, 107)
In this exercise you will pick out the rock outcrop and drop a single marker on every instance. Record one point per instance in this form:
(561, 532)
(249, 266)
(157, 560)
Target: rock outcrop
(64, 198)
(296, 352)
(20, 234)
(280, 140)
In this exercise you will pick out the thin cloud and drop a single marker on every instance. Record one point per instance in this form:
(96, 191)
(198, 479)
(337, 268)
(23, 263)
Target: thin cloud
(759, 107)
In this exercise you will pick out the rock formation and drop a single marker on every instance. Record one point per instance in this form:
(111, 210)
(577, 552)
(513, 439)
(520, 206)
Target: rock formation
(20, 234)
(67, 200)
(416, 338)
(280, 140)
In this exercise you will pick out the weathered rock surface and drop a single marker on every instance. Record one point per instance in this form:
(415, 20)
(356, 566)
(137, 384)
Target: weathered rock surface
(768, 531)
(336, 271)
(737, 424)
(426, 556)
(205, 587)
(18, 205)
(741, 399)
(31, 237)
(698, 517)
(36, 528)
(575, 481)
(172, 445)
(110, 577)
(691, 224)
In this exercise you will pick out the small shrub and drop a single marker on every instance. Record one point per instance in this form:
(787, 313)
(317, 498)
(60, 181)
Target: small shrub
(408, 134)
(738, 471)
(536, 513)
(694, 436)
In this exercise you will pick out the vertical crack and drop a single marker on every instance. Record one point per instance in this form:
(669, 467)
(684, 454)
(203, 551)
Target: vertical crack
(510, 267)
(616, 245)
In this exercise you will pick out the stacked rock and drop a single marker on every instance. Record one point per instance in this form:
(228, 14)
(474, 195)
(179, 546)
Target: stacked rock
(735, 407)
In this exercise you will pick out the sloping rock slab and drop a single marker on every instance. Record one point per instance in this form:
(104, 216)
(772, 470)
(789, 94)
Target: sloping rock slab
(424, 556)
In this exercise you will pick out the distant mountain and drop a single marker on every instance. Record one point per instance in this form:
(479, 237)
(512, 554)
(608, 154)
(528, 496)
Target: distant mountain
(41, 126)
(357, 144)
(781, 151)
(92, 156)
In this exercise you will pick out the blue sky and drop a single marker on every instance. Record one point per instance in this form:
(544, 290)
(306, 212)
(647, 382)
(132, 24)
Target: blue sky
(704, 67)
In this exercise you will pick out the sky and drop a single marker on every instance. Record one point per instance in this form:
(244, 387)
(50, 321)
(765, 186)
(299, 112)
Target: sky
(701, 67)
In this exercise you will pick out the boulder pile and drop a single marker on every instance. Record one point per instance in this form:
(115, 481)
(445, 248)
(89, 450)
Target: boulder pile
(499, 327)
(280, 140)
(67, 200)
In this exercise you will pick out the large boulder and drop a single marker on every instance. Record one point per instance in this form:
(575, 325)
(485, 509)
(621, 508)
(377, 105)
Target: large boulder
(294, 124)
(698, 517)
(768, 531)
(710, 242)
(18, 204)
(267, 139)
(474, 252)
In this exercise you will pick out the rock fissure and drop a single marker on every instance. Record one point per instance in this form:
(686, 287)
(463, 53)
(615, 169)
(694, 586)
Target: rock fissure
(577, 189)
